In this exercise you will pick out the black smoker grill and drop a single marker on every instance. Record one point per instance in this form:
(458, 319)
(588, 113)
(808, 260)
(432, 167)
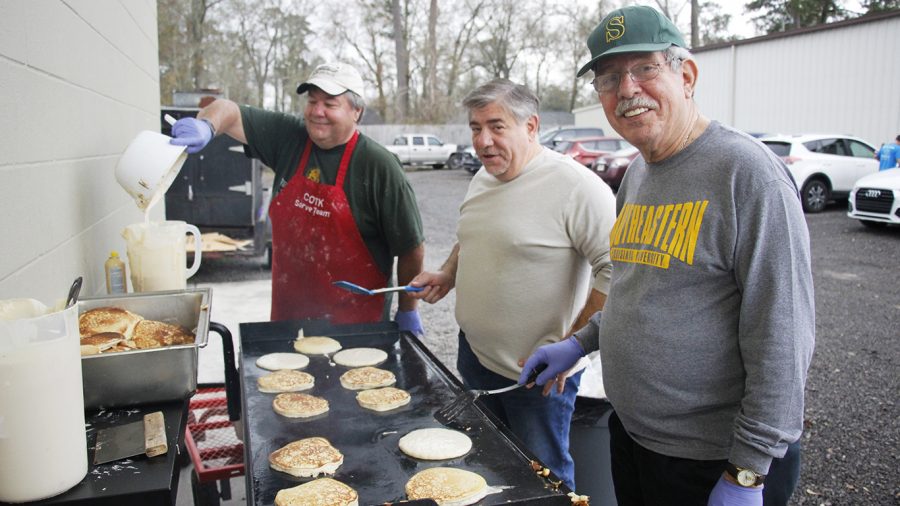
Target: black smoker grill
(373, 463)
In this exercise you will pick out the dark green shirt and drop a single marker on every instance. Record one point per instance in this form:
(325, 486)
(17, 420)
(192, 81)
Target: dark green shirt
(381, 199)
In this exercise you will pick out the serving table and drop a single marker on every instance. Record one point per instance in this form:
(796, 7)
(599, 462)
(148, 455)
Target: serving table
(136, 481)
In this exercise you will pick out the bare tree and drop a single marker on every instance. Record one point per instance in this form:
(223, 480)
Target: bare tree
(672, 8)
(429, 80)
(465, 35)
(196, 25)
(781, 15)
(714, 25)
(695, 23)
(369, 35)
(575, 27)
(505, 32)
(183, 26)
(291, 66)
(259, 31)
(401, 49)
(174, 59)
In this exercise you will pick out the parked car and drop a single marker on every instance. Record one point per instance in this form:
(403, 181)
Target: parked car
(611, 168)
(556, 135)
(875, 199)
(421, 149)
(464, 158)
(824, 166)
(587, 149)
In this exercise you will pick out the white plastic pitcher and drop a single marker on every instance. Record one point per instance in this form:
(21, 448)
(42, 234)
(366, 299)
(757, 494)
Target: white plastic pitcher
(157, 255)
(43, 447)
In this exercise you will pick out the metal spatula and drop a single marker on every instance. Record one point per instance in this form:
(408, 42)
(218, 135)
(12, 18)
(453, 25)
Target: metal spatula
(346, 285)
(147, 436)
(450, 411)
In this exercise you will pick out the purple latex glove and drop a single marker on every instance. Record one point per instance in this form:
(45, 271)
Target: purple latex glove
(191, 132)
(559, 357)
(409, 320)
(726, 493)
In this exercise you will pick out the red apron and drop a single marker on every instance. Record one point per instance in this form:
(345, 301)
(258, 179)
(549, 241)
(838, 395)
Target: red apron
(315, 241)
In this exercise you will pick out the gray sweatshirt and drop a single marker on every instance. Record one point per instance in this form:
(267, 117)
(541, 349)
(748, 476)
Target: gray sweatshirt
(710, 324)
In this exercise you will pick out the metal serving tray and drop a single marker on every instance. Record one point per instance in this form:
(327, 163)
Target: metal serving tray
(373, 463)
(128, 378)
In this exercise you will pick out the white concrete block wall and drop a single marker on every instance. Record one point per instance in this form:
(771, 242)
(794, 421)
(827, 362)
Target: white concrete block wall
(78, 80)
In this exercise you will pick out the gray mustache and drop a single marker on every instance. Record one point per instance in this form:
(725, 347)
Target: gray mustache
(635, 102)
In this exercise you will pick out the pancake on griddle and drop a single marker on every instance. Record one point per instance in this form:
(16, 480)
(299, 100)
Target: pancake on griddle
(447, 486)
(154, 334)
(316, 345)
(435, 444)
(320, 492)
(98, 343)
(285, 380)
(107, 319)
(364, 378)
(277, 361)
(383, 399)
(299, 405)
(360, 357)
(307, 458)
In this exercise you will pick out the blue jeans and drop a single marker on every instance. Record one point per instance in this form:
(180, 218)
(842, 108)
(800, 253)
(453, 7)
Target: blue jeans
(542, 423)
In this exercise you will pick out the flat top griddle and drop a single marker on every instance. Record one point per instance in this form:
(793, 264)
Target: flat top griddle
(373, 463)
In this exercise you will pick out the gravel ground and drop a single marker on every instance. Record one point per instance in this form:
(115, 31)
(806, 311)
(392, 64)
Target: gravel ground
(851, 447)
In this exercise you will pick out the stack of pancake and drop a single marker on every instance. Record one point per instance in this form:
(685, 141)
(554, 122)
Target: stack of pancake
(111, 329)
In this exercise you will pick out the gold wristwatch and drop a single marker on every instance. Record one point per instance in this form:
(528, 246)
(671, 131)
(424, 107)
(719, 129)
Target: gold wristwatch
(744, 477)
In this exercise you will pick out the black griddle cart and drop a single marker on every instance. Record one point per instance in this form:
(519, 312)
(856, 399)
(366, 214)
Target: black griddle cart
(373, 463)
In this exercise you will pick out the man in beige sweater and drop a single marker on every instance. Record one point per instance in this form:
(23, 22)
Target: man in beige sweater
(531, 264)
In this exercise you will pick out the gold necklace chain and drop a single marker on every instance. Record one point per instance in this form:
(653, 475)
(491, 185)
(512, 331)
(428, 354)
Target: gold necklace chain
(690, 131)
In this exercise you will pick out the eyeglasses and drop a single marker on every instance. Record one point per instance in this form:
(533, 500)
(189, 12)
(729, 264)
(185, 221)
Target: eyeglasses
(639, 73)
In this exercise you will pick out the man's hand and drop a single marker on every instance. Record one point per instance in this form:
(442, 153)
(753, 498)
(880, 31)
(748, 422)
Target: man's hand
(191, 132)
(435, 285)
(409, 320)
(726, 493)
(559, 357)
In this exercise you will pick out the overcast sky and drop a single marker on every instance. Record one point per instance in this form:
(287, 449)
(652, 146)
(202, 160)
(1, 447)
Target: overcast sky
(742, 24)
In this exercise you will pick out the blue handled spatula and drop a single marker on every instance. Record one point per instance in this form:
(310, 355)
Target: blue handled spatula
(346, 285)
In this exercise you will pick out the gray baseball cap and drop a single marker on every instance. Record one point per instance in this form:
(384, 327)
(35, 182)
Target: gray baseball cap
(334, 78)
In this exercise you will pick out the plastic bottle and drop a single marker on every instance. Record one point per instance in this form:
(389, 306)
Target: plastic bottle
(115, 274)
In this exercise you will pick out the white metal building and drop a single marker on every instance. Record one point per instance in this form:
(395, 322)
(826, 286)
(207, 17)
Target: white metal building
(837, 78)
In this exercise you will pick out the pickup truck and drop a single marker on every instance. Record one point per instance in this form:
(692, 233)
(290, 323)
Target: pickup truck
(422, 149)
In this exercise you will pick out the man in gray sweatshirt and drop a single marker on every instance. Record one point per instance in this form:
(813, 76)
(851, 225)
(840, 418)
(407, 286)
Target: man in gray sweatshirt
(709, 327)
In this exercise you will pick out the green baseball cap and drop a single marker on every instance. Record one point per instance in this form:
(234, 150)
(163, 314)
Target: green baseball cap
(633, 29)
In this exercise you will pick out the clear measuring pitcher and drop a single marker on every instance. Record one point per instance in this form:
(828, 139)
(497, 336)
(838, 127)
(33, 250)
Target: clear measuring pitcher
(43, 447)
(157, 255)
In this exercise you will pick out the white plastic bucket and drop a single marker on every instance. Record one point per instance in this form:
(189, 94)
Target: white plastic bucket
(43, 447)
(148, 167)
